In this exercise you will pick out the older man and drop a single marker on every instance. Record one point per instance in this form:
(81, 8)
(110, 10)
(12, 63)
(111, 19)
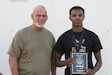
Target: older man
(31, 48)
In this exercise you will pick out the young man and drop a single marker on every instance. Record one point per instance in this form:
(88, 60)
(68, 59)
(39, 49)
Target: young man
(68, 41)
(31, 48)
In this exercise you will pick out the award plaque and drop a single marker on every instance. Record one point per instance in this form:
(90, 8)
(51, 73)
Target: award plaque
(80, 64)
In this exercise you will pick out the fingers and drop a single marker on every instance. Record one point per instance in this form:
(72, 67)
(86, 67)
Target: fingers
(70, 61)
(89, 72)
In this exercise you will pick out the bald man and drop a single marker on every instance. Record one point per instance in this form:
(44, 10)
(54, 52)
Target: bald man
(30, 52)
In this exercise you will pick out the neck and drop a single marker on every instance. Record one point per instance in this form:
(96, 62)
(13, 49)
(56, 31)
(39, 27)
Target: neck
(77, 29)
(36, 28)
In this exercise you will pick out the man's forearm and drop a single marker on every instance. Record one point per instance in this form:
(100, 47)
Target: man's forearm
(98, 63)
(61, 63)
(53, 63)
(53, 67)
(13, 65)
(97, 66)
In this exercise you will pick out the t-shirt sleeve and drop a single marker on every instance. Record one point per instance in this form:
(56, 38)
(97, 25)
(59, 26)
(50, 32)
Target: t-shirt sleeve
(97, 44)
(16, 46)
(54, 42)
(59, 46)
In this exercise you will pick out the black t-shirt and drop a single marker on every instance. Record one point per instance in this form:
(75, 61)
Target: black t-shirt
(90, 43)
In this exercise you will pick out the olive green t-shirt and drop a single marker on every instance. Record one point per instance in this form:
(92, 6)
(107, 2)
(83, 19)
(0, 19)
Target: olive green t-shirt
(33, 50)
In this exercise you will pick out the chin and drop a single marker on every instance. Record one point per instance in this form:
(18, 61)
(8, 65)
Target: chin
(39, 26)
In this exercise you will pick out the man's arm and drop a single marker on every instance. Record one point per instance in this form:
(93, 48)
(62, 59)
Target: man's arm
(67, 62)
(13, 62)
(53, 63)
(97, 65)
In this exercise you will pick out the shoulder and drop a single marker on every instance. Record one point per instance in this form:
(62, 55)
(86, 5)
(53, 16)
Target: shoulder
(48, 32)
(65, 35)
(89, 32)
(25, 29)
(22, 32)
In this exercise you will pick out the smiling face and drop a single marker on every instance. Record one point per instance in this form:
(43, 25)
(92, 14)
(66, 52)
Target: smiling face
(39, 16)
(77, 17)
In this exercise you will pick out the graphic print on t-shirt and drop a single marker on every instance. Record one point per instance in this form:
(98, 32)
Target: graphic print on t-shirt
(82, 47)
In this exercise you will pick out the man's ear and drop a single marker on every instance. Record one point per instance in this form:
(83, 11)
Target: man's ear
(32, 16)
(47, 17)
(70, 18)
(84, 17)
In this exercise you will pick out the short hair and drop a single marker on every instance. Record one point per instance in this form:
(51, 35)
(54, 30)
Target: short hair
(39, 6)
(75, 8)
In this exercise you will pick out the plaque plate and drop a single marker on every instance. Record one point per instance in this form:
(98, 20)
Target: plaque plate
(80, 64)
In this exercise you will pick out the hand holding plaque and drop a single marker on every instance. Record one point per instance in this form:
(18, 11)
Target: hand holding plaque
(69, 62)
(81, 64)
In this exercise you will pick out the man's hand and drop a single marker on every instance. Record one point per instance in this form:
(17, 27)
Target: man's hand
(69, 61)
(89, 72)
